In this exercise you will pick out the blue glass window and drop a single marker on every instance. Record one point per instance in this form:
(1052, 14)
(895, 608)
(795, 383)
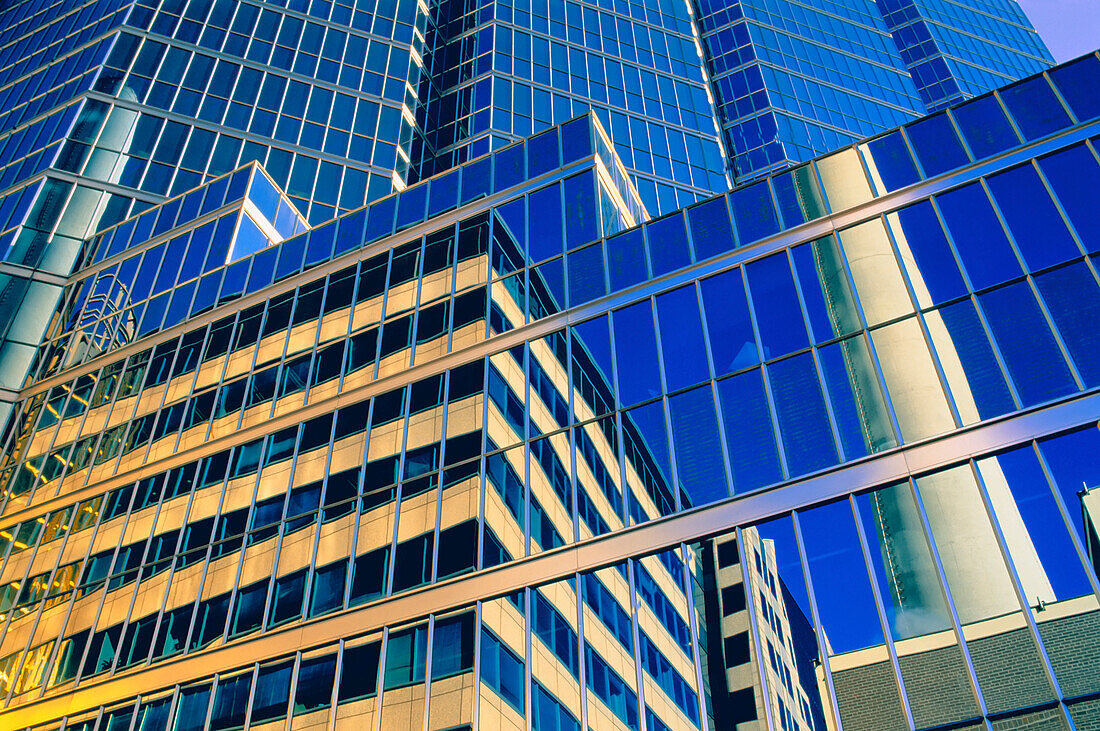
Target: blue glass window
(732, 342)
(586, 281)
(682, 338)
(710, 227)
(1074, 175)
(636, 353)
(1073, 465)
(754, 213)
(1073, 299)
(775, 301)
(1034, 221)
(581, 216)
(936, 145)
(800, 409)
(545, 234)
(799, 197)
(1029, 349)
(1077, 82)
(830, 305)
(889, 161)
(699, 470)
(984, 380)
(1035, 108)
(985, 127)
(931, 268)
(668, 246)
(862, 418)
(981, 243)
(626, 264)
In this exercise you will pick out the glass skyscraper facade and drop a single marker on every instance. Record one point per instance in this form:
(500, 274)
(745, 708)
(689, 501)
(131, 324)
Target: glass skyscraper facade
(411, 367)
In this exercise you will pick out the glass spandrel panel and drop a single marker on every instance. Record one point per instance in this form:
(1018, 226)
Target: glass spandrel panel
(969, 364)
(636, 353)
(980, 585)
(1035, 108)
(826, 293)
(979, 239)
(861, 414)
(685, 353)
(1038, 229)
(926, 255)
(889, 162)
(699, 463)
(800, 410)
(776, 306)
(1074, 174)
(1030, 351)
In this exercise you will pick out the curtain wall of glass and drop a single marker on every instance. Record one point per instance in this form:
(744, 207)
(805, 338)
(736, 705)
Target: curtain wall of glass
(504, 451)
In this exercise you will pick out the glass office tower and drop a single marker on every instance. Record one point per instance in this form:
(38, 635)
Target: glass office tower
(503, 450)
(796, 78)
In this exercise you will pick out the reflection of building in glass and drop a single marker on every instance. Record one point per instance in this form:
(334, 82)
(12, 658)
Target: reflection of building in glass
(520, 443)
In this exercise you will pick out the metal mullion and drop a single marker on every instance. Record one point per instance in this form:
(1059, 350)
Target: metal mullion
(446, 380)
(686, 581)
(382, 318)
(636, 637)
(269, 602)
(429, 650)
(398, 490)
(956, 623)
(311, 573)
(349, 330)
(220, 380)
(353, 548)
(190, 393)
(528, 658)
(756, 643)
(384, 644)
(417, 306)
(888, 637)
(1017, 583)
(295, 668)
(570, 436)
